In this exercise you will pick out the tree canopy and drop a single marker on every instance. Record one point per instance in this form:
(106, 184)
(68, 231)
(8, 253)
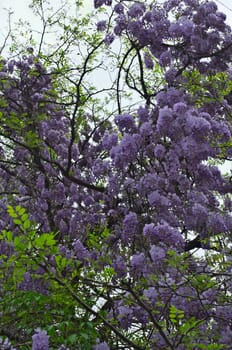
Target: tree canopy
(115, 225)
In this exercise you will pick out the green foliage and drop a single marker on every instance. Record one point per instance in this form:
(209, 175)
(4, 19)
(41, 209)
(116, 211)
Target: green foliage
(207, 88)
(54, 309)
(97, 237)
(175, 314)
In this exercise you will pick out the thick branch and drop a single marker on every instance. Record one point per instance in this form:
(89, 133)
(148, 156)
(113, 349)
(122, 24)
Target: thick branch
(194, 243)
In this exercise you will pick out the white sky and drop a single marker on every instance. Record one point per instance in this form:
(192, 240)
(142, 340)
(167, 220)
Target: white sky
(21, 10)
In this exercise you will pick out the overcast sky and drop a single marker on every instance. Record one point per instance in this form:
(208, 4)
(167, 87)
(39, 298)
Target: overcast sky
(21, 9)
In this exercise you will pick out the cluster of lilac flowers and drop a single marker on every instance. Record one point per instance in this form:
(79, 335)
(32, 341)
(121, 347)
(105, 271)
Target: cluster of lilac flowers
(6, 345)
(200, 29)
(40, 340)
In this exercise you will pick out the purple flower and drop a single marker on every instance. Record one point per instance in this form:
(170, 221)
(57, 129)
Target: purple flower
(40, 340)
(156, 199)
(187, 28)
(125, 152)
(143, 114)
(208, 7)
(226, 336)
(165, 120)
(136, 10)
(159, 151)
(151, 294)
(53, 136)
(180, 107)
(63, 226)
(149, 230)
(119, 266)
(6, 248)
(125, 315)
(110, 140)
(216, 224)
(165, 58)
(59, 193)
(129, 223)
(125, 122)
(148, 61)
(101, 26)
(138, 262)
(65, 251)
(146, 129)
(98, 3)
(6, 345)
(109, 38)
(200, 214)
(228, 204)
(81, 253)
(135, 27)
(118, 8)
(11, 65)
(175, 30)
(170, 75)
(161, 99)
(157, 183)
(102, 346)
(198, 125)
(157, 254)
(121, 25)
(163, 233)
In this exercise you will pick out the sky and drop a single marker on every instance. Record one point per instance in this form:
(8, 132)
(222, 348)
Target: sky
(21, 10)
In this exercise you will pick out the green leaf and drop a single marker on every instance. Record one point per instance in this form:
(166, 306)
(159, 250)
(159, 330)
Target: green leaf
(61, 262)
(9, 236)
(46, 239)
(22, 211)
(26, 224)
(73, 338)
(17, 221)
(19, 244)
(11, 212)
(24, 217)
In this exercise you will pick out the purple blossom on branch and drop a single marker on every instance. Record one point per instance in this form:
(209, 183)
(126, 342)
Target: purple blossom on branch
(118, 8)
(102, 346)
(136, 10)
(125, 122)
(101, 26)
(109, 38)
(40, 340)
(129, 223)
(6, 345)
(148, 61)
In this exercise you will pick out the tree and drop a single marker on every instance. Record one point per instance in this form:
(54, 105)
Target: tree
(108, 192)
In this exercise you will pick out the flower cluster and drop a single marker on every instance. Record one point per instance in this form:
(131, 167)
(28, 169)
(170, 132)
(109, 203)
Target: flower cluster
(199, 28)
(40, 340)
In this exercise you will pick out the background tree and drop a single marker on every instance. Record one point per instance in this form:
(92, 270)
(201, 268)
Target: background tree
(109, 188)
